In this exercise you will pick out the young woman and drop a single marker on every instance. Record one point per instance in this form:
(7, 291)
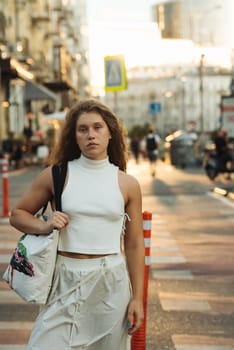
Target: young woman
(97, 292)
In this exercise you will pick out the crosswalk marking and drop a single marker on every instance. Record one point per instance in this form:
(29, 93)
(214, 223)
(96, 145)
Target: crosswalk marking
(167, 259)
(204, 347)
(9, 296)
(16, 325)
(202, 342)
(163, 248)
(173, 274)
(184, 305)
(5, 258)
(8, 245)
(13, 347)
(162, 244)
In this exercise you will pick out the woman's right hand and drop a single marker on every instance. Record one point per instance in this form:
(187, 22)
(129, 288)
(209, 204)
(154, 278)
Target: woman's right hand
(57, 220)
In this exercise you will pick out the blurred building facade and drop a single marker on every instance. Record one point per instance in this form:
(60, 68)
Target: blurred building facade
(184, 92)
(43, 60)
(206, 23)
(44, 65)
(176, 95)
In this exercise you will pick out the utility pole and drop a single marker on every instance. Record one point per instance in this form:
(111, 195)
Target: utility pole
(1, 108)
(183, 80)
(201, 66)
(17, 23)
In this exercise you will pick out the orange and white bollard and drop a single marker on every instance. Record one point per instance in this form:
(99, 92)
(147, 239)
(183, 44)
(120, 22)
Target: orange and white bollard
(138, 341)
(5, 187)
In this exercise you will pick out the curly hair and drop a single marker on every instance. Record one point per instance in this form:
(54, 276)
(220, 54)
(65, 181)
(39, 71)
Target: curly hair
(67, 148)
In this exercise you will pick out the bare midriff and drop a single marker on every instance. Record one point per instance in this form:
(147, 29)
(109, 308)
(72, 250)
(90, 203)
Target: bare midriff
(81, 256)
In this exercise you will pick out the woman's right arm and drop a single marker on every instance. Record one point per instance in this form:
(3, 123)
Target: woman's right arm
(23, 214)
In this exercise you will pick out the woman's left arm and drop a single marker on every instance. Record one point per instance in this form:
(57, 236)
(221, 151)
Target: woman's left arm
(134, 251)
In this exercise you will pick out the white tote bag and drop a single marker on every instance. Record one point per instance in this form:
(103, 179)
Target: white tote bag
(31, 268)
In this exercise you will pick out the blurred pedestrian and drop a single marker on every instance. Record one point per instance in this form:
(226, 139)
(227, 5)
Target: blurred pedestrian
(16, 156)
(42, 153)
(28, 132)
(135, 148)
(152, 142)
(223, 151)
(92, 305)
(7, 144)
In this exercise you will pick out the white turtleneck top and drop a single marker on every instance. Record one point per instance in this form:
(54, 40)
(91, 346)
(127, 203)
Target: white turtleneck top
(95, 205)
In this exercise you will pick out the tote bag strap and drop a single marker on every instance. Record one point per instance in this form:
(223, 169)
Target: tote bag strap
(59, 175)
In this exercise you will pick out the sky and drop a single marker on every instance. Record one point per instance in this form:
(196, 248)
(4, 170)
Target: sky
(120, 27)
(120, 10)
(125, 27)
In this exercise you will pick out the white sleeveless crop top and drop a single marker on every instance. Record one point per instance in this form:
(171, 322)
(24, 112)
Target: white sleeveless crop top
(95, 205)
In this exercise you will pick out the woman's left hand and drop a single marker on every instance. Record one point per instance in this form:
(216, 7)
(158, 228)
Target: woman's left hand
(135, 315)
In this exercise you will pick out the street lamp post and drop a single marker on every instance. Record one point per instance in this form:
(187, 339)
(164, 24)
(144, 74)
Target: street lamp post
(201, 65)
(183, 105)
(1, 114)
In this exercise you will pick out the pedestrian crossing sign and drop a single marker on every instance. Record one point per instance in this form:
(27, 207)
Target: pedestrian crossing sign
(115, 73)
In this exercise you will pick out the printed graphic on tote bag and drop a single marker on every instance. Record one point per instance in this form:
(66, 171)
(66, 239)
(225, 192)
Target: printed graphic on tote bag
(19, 260)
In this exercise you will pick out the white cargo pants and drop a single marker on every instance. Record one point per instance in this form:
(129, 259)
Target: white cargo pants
(86, 308)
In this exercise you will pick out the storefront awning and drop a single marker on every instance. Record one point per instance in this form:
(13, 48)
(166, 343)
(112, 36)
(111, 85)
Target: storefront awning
(56, 115)
(58, 86)
(35, 91)
(13, 69)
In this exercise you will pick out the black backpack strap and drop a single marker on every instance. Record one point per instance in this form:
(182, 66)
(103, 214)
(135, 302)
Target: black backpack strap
(59, 175)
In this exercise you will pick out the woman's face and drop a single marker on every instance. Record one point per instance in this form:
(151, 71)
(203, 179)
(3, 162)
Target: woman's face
(92, 135)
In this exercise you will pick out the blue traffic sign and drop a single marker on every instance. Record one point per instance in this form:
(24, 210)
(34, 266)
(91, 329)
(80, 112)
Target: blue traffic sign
(155, 107)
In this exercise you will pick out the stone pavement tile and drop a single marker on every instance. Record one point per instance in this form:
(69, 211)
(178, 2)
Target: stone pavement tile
(16, 336)
(163, 242)
(158, 221)
(9, 237)
(200, 342)
(3, 286)
(161, 252)
(223, 305)
(8, 232)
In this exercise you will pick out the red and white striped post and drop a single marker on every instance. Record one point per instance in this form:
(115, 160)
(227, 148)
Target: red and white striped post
(138, 341)
(5, 186)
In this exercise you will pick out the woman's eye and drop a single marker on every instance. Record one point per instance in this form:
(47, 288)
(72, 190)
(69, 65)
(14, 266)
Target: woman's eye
(82, 129)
